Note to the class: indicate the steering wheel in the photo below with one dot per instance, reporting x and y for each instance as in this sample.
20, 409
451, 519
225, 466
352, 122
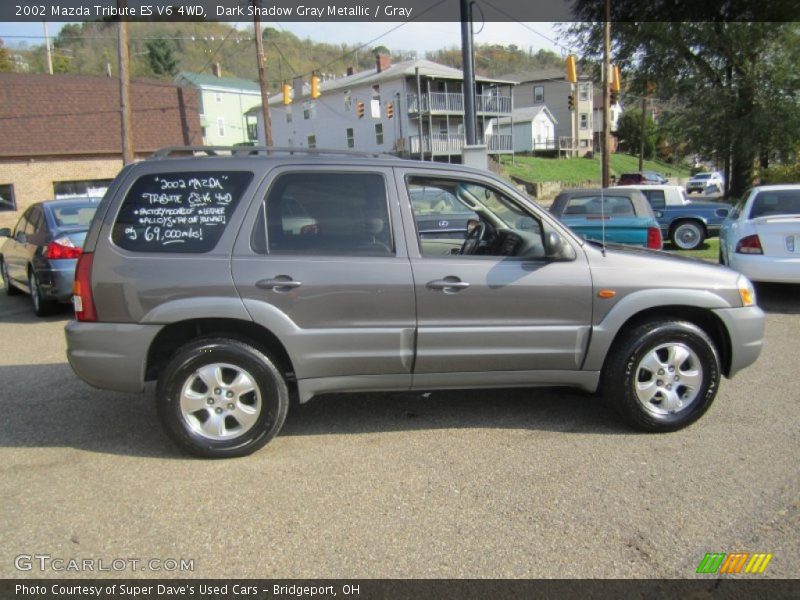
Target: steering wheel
474, 238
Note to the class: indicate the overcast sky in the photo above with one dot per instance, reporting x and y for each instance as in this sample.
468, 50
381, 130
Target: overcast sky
421, 37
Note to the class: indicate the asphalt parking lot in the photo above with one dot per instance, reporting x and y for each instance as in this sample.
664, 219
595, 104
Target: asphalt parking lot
498, 483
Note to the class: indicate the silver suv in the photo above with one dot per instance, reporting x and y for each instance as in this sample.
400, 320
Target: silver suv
237, 281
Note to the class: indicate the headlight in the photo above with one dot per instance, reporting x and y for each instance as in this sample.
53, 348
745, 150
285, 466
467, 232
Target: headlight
746, 291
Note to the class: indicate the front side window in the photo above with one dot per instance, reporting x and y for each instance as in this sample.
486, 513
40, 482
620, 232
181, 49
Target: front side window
490, 223
325, 214
178, 212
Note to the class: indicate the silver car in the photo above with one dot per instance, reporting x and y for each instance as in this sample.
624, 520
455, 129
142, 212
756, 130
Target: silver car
195, 276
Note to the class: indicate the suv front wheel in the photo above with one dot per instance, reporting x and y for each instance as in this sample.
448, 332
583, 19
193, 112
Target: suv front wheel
221, 398
662, 375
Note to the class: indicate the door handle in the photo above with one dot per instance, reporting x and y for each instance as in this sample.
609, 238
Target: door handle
281, 283
449, 285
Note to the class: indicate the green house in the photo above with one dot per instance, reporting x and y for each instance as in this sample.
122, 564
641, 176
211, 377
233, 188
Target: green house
223, 104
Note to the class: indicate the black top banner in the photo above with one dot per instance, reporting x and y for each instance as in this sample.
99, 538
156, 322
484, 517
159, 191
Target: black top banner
396, 10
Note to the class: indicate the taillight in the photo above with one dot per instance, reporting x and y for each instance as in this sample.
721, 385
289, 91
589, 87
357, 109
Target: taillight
82, 289
749, 245
62, 248
654, 238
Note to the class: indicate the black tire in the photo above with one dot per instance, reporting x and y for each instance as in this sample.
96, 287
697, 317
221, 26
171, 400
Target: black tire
7, 285
687, 235
41, 306
270, 398
624, 370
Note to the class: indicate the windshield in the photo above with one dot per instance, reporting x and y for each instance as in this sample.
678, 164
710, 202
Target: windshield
702, 176
782, 202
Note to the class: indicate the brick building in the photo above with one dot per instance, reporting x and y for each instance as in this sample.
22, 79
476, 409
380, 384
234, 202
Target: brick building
60, 135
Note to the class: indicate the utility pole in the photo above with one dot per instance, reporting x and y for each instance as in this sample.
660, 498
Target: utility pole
606, 90
469, 74
125, 87
644, 131
262, 75
48, 55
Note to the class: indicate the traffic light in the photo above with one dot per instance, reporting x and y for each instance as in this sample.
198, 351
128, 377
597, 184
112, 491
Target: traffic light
572, 70
571, 102
389, 110
314, 86
615, 84
287, 93
614, 98
360, 109
651, 88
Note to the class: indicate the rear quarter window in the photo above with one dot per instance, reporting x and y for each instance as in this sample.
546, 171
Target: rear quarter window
178, 212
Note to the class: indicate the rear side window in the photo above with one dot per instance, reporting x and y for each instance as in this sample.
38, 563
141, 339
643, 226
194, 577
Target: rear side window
656, 198
178, 212
595, 207
325, 214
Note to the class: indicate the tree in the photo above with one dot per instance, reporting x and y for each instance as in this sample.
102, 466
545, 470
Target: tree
6, 63
161, 57
629, 132
729, 87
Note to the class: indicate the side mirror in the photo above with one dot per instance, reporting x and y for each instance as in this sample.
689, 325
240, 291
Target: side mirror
5, 232
553, 245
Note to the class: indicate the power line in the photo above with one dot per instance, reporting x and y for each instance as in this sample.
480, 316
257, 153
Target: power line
531, 29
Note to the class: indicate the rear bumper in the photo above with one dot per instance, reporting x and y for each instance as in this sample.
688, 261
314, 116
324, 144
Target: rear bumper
746, 331
766, 268
110, 356
55, 280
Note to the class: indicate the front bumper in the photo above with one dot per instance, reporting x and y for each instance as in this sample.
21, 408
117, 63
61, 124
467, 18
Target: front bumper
745, 328
110, 356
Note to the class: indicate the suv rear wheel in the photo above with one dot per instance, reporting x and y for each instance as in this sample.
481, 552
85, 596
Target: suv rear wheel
221, 398
662, 375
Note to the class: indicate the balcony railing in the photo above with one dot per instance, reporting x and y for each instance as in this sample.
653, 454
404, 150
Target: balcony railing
439, 144
446, 102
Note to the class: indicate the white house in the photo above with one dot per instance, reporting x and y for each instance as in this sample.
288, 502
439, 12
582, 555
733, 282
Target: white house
533, 129
413, 108
614, 112
549, 87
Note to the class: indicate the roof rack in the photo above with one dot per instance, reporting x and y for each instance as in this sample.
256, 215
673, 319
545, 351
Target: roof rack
183, 151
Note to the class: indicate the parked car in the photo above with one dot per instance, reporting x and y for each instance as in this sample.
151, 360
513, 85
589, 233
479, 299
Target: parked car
638, 178
40, 255
231, 313
686, 223
705, 183
620, 215
761, 237
657, 177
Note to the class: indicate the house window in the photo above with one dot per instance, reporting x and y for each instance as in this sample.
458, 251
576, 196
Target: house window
583, 91
376, 92
379, 133
306, 113
584, 121
351, 141
538, 94
221, 126
584, 143
217, 97
288, 115
88, 187
348, 101
7, 202
312, 141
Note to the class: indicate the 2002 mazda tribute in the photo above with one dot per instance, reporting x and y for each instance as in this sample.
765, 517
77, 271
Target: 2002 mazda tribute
237, 280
